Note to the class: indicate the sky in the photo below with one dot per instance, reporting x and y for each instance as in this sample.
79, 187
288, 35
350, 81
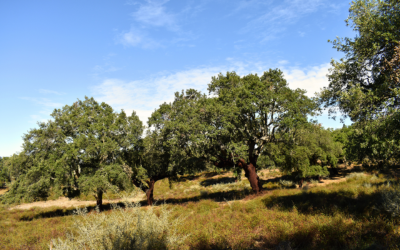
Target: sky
134, 55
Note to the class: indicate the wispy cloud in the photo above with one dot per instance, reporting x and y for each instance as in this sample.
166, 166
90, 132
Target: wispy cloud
154, 13
137, 38
145, 95
276, 19
47, 106
47, 91
44, 102
150, 17
248, 4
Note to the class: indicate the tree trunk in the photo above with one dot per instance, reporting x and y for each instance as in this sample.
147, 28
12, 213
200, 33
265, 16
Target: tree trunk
301, 182
250, 171
99, 199
149, 192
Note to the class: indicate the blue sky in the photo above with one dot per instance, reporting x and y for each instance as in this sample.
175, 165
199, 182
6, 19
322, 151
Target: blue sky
134, 55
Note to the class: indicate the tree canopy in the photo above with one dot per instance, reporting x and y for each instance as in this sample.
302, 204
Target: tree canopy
167, 148
232, 127
82, 149
364, 85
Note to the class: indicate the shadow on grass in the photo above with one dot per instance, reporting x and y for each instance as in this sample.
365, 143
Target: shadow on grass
328, 203
221, 180
217, 197
373, 235
51, 212
195, 177
39, 213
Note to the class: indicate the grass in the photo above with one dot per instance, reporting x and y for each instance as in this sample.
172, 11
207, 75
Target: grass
31, 229
222, 214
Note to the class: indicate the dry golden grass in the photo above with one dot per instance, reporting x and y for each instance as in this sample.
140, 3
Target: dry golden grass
220, 214
3, 190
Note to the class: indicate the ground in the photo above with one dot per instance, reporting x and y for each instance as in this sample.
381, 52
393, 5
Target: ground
338, 213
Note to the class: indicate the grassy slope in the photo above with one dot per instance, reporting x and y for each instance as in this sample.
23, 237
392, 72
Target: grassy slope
221, 214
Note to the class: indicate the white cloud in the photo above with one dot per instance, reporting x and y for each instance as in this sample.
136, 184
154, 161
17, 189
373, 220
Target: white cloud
311, 79
144, 96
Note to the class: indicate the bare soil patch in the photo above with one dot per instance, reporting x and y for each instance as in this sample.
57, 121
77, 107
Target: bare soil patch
3, 190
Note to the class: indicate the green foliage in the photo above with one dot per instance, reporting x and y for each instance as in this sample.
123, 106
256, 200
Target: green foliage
311, 150
365, 84
167, 148
85, 148
255, 111
4, 171
241, 117
341, 137
376, 141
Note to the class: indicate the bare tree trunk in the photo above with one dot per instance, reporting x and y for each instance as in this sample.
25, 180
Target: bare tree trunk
250, 171
149, 191
99, 199
301, 182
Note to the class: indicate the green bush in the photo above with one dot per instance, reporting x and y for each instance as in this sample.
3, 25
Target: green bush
123, 228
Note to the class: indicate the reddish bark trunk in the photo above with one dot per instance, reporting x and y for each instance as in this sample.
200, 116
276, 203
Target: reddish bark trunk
251, 174
150, 186
149, 192
301, 183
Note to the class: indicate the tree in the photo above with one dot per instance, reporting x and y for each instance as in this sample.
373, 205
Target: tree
83, 149
4, 171
309, 153
243, 115
364, 85
260, 111
166, 149
341, 136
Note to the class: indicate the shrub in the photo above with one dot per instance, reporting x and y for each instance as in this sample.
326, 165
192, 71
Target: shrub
123, 228
356, 176
391, 200
367, 185
286, 183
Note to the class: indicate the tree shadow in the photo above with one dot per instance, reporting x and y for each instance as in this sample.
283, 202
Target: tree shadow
221, 180
195, 177
51, 212
217, 197
328, 203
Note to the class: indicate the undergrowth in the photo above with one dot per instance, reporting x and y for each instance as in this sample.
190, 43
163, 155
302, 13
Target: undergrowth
347, 215
127, 227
